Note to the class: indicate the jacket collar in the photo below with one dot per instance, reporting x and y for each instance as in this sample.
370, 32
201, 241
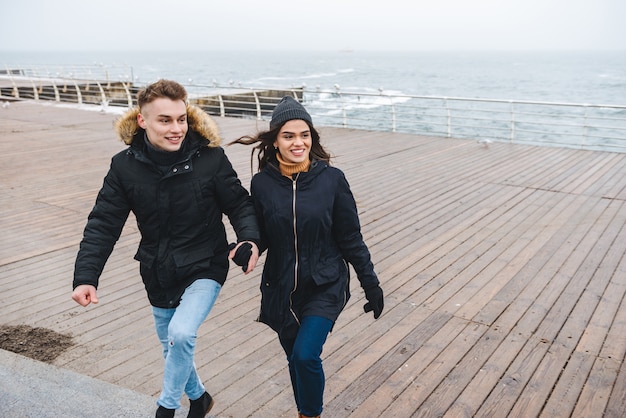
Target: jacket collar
316, 167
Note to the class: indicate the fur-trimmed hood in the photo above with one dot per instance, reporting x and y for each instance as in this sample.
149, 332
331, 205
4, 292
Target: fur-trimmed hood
199, 121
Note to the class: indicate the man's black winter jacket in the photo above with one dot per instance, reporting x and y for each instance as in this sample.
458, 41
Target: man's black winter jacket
179, 213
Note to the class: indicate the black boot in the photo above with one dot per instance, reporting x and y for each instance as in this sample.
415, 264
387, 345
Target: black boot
201, 406
164, 412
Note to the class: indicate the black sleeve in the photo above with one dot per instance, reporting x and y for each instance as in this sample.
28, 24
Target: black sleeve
261, 222
236, 203
347, 233
103, 229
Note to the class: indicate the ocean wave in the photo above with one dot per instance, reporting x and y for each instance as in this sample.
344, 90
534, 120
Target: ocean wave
333, 103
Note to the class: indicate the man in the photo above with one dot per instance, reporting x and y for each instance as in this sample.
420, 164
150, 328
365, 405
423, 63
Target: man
177, 180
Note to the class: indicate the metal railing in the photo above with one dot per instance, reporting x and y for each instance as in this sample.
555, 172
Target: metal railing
585, 126
82, 84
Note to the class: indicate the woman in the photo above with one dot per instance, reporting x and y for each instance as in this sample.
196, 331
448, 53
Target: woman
310, 227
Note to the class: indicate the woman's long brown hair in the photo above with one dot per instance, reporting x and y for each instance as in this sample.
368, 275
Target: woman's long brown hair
266, 153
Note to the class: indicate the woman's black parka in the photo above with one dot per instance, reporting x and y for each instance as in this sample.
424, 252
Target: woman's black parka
310, 227
178, 213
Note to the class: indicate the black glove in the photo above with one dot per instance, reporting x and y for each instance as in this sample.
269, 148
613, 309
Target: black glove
375, 301
242, 255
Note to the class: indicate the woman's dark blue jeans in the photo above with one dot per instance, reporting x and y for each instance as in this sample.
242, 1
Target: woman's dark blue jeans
305, 363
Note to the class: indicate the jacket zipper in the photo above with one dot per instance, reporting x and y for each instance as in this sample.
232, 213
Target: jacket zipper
295, 244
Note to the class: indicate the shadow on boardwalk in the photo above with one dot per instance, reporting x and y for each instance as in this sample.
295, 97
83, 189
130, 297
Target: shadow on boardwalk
503, 267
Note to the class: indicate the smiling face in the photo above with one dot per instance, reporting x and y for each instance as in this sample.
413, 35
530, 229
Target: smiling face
165, 122
294, 141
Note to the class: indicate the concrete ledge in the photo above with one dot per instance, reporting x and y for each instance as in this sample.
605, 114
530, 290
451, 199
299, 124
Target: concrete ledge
29, 388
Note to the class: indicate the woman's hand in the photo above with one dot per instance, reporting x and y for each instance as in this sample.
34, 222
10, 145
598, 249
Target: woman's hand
245, 254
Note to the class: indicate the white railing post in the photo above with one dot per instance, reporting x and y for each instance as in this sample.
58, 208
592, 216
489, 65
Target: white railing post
449, 117
57, 95
222, 110
258, 105
103, 98
512, 107
393, 110
584, 139
35, 91
344, 117
79, 95
15, 90
129, 97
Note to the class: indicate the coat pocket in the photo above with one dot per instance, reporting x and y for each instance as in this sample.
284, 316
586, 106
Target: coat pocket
192, 264
329, 271
273, 305
182, 266
187, 258
145, 257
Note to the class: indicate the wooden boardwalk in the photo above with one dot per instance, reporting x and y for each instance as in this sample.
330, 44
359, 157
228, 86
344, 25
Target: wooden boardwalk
504, 270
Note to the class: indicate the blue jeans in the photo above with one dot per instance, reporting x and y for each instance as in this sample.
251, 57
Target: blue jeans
177, 329
305, 364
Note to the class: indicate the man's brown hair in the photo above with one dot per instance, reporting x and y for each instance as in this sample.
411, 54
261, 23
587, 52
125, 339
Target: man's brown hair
162, 88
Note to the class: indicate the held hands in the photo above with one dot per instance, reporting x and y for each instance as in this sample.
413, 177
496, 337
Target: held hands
375, 301
85, 294
245, 254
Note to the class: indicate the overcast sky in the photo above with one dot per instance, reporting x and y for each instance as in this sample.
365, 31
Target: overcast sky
46, 25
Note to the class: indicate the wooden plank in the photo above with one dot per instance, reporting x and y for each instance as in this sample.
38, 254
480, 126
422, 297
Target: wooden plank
597, 389
555, 302
485, 368
411, 384
616, 406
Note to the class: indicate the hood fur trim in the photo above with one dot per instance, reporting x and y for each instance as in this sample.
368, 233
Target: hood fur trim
199, 121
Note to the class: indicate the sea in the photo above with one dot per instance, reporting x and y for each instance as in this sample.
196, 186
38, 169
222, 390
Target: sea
367, 79
582, 77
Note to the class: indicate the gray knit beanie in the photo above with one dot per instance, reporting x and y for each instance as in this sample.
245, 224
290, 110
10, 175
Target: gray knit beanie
288, 109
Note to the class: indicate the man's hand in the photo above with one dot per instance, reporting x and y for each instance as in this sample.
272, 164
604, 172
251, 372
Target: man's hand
85, 294
244, 254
